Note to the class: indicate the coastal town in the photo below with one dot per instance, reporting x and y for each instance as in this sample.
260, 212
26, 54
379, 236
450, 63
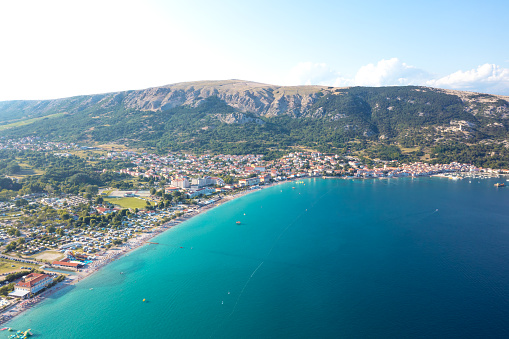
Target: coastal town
53, 237
228, 169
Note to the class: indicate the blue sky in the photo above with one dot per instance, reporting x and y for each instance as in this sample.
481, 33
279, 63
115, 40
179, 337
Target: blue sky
57, 48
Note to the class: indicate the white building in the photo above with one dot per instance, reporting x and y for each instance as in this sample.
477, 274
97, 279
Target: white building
200, 182
200, 191
207, 181
249, 182
181, 182
30, 284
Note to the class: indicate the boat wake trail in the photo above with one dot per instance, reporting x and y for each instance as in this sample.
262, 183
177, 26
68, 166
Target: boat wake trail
238, 298
267, 255
243, 288
294, 221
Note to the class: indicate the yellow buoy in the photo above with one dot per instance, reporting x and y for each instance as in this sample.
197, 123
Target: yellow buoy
143, 300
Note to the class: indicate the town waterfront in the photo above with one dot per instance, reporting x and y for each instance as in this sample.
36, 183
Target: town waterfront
421, 257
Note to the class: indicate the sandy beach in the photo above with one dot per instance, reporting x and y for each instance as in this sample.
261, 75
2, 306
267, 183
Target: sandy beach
115, 253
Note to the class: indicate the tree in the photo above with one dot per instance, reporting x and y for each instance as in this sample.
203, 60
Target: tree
228, 180
11, 247
4, 290
70, 223
92, 189
49, 188
21, 202
13, 168
51, 229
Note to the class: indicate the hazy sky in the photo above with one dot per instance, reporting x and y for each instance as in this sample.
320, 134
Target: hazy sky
52, 49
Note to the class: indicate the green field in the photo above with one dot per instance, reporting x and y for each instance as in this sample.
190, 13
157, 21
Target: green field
6, 266
130, 202
106, 192
26, 170
48, 255
29, 121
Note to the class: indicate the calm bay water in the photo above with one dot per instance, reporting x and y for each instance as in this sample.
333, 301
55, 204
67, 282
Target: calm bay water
328, 259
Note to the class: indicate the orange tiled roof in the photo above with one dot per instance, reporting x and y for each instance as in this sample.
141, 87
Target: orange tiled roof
31, 279
65, 262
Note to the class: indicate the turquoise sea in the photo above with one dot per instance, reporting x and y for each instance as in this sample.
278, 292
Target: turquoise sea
396, 258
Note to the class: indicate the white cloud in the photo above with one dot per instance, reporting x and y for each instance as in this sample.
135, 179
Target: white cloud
384, 73
308, 73
488, 78
389, 73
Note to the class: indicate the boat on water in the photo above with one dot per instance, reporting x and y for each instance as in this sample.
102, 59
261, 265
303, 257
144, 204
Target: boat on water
21, 335
499, 184
238, 222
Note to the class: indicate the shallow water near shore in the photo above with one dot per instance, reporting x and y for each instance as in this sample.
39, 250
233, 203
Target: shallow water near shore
331, 258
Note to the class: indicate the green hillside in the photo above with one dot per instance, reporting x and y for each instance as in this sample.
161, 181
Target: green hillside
404, 122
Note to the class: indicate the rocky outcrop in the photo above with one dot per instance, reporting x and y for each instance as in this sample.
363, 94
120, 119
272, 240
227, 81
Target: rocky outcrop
254, 98
238, 118
251, 97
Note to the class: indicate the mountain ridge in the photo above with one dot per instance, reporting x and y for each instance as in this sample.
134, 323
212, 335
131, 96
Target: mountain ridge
246, 96
237, 116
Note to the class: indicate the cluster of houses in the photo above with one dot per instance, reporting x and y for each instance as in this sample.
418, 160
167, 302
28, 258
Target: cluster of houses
178, 165
90, 241
414, 170
186, 171
36, 144
196, 176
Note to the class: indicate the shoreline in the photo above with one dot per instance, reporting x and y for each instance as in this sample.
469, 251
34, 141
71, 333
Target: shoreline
113, 254
110, 255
